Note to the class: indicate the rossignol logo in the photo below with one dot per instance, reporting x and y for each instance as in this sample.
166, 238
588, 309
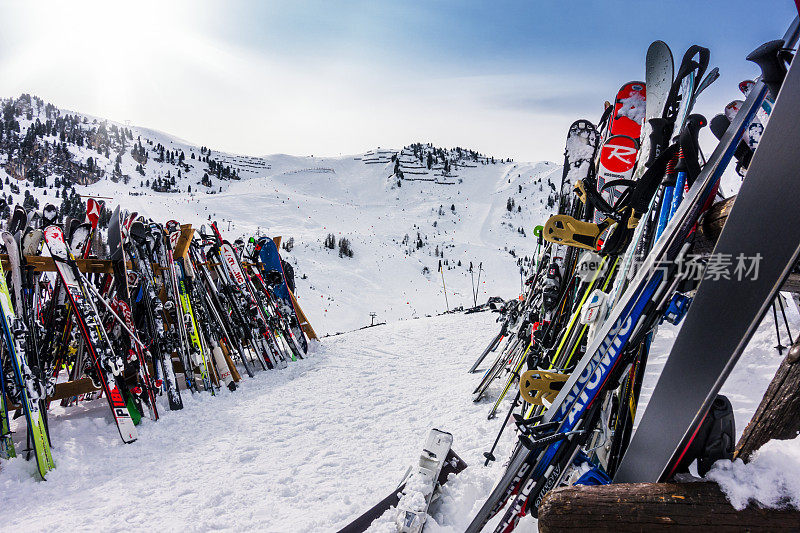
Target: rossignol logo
618, 154
126, 312
92, 212
51, 232
595, 372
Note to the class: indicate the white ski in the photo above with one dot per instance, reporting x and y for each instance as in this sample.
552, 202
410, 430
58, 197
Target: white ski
420, 488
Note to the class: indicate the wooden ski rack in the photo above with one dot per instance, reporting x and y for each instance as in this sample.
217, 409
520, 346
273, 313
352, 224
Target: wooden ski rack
182, 246
67, 389
46, 264
42, 263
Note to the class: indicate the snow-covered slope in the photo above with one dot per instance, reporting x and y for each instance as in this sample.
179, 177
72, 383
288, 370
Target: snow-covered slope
310, 447
400, 216
388, 274
302, 449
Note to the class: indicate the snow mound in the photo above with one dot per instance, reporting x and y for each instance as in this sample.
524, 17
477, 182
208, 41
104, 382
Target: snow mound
633, 107
771, 479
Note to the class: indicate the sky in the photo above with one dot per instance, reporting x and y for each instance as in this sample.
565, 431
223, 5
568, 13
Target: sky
340, 77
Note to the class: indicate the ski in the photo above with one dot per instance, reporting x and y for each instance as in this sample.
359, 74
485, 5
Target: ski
30, 392
419, 489
106, 365
682, 398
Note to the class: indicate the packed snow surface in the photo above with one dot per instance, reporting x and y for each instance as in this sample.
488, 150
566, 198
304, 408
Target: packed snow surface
311, 447
307, 448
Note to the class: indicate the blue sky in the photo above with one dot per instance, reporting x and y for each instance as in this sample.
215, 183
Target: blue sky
504, 77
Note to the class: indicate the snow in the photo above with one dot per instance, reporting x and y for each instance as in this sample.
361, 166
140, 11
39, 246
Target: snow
385, 276
771, 479
633, 107
307, 448
352, 196
310, 447
580, 150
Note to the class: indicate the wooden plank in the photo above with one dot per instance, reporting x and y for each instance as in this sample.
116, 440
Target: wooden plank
778, 414
68, 389
700, 507
45, 264
792, 283
182, 246
304, 323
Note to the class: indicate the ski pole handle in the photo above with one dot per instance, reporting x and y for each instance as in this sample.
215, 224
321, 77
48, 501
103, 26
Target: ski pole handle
773, 69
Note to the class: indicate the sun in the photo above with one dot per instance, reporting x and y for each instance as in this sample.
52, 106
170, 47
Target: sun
103, 49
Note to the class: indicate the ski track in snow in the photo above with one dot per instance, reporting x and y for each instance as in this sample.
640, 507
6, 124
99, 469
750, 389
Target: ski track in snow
307, 448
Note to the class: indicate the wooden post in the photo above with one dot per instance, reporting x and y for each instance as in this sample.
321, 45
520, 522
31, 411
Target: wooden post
700, 507
778, 414
711, 224
185, 238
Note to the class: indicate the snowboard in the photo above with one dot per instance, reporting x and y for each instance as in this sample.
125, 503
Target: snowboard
618, 153
273, 270
688, 382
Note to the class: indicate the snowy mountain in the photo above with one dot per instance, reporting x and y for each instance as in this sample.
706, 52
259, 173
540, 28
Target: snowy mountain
401, 210
366, 234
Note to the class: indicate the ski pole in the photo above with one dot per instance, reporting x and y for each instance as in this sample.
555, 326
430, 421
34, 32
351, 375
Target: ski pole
785, 321
490, 454
478, 286
116, 316
780, 346
474, 295
444, 289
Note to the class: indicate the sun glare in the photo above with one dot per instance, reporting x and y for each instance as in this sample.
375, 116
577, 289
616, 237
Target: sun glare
102, 49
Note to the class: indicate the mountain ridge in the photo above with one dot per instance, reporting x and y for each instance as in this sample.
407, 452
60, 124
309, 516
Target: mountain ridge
402, 211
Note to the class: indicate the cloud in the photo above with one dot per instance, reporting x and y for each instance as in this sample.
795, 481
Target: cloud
578, 103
